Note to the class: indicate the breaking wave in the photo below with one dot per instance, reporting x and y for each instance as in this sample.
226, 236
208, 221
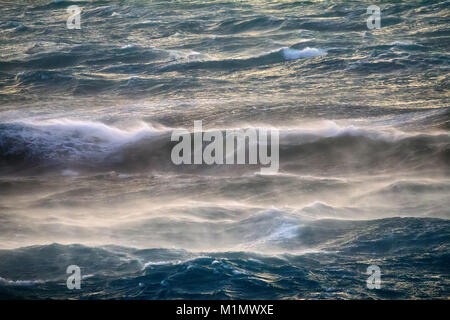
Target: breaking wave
143, 146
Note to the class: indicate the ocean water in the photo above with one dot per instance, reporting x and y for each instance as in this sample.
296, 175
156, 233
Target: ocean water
86, 177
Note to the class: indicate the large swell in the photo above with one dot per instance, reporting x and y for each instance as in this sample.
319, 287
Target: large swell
63, 143
86, 177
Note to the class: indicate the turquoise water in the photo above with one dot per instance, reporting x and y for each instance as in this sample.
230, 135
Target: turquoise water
86, 177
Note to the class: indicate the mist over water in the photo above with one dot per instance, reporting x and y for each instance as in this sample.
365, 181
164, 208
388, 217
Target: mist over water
86, 178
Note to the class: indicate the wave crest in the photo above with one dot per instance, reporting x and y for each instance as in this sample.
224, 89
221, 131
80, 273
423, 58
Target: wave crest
143, 146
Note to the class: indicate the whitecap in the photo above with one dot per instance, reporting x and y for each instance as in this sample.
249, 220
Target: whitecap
292, 54
20, 283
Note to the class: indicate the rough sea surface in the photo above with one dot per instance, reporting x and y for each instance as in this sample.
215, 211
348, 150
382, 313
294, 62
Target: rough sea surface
86, 177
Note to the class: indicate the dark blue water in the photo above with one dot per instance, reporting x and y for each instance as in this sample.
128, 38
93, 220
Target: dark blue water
86, 177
